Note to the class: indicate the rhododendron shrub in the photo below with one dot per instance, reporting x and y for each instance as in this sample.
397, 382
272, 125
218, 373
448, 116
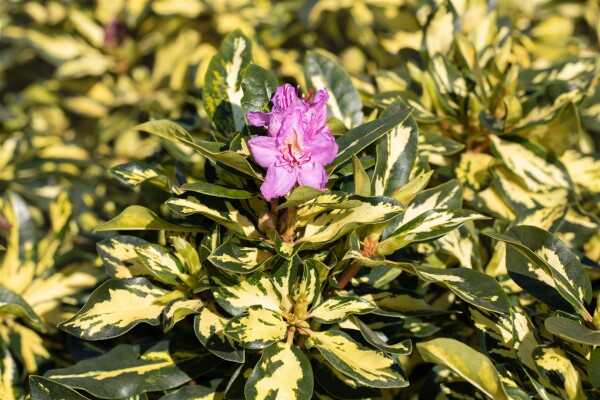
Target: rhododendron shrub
429, 230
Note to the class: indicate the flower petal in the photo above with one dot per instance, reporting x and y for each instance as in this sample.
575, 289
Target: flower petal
258, 118
322, 147
312, 174
264, 150
285, 95
279, 181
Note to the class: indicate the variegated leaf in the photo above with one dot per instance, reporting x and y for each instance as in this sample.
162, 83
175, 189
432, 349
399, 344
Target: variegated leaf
135, 173
211, 150
10, 388
466, 362
356, 139
256, 289
115, 307
257, 328
396, 155
178, 309
140, 218
309, 286
584, 169
553, 364
429, 225
222, 92
132, 369
338, 308
190, 256
284, 278
344, 101
472, 286
46, 389
119, 256
209, 327
367, 366
222, 212
571, 330
526, 340
531, 164
539, 262
283, 372
29, 348
447, 195
232, 257
162, 264
496, 334
336, 223
12, 303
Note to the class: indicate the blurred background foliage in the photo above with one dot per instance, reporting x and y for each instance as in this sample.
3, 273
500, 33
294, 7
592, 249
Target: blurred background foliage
77, 76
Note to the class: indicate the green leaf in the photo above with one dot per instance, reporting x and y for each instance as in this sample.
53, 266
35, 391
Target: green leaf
338, 308
222, 93
466, 362
300, 195
594, 368
119, 256
396, 154
257, 328
162, 264
568, 329
367, 366
198, 392
337, 384
534, 254
115, 307
283, 372
140, 218
45, 389
132, 369
258, 85
374, 339
256, 289
211, 150
12, 303
209, 328
10, 388
232, 257
221, 211
356, 139
344, 101
210, 189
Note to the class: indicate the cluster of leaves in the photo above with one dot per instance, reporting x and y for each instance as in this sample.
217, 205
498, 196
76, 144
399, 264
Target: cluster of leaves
461, 214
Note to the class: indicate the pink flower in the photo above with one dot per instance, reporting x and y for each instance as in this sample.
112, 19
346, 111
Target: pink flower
299, 143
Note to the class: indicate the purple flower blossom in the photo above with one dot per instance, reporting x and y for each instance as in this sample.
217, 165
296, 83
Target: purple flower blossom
299, 143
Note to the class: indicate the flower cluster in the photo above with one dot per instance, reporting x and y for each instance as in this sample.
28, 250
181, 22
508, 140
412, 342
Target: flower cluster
299, 143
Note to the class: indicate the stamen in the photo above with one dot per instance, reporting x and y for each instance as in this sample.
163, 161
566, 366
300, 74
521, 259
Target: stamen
310, 94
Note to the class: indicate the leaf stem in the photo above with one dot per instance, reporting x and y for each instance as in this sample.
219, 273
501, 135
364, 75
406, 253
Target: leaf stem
347, 275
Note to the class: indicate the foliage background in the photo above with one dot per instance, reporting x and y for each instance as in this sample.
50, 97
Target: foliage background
501, 90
